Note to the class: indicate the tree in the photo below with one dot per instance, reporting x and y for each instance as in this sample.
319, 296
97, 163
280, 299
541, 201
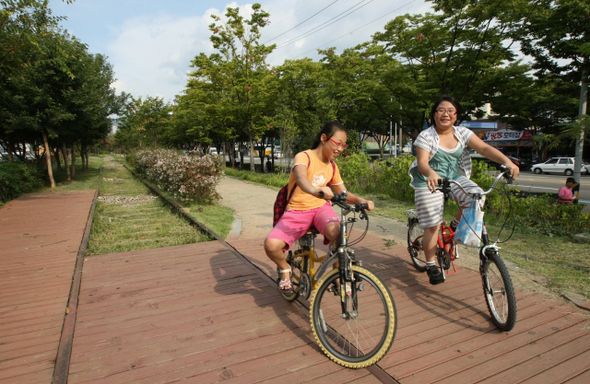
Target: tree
235, 73
448, 53
145, 123
557, 35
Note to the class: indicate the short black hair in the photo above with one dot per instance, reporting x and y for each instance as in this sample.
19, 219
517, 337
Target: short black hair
570, 180
451, 100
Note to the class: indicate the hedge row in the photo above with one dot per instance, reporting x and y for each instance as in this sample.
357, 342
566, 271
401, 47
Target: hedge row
19, 178
188, 176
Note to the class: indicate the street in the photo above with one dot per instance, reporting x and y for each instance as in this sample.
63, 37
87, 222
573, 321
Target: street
531, 182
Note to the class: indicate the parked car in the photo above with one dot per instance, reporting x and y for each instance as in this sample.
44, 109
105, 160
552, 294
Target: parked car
559, 165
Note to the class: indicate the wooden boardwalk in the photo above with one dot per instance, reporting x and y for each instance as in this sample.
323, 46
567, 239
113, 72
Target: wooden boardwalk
204, 313
40, 235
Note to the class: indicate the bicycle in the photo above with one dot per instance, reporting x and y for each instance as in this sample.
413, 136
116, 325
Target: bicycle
351, 335
496, 281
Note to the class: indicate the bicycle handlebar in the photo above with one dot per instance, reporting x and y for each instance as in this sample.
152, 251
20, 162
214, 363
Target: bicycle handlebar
340, 200
445, 184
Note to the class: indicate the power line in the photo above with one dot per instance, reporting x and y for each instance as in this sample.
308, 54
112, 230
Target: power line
354, 30
309, 18
330, 22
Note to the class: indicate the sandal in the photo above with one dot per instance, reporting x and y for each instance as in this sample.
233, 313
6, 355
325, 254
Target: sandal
285, 286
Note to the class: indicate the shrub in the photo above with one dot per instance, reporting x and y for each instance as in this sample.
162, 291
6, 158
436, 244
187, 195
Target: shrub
188, 176
393, 179
18, 178
356, 173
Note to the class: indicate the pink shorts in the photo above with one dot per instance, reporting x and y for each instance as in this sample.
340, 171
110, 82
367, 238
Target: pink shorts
293, 224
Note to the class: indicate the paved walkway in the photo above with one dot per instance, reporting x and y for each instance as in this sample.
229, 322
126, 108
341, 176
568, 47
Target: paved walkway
204, 313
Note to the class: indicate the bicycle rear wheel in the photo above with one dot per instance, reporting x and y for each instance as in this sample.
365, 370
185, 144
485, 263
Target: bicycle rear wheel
415, 248
364, 337
499, 292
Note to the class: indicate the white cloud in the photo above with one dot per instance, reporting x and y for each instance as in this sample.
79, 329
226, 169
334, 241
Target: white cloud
151, 54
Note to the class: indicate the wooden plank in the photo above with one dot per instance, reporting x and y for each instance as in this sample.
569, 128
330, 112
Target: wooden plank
37, 257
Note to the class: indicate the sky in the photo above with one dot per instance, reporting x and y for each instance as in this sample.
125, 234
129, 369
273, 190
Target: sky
151, 43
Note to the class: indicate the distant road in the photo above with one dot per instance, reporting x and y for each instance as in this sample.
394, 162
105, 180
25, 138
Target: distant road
531, 182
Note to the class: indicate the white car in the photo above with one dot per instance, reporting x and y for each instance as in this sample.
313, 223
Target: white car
559, 165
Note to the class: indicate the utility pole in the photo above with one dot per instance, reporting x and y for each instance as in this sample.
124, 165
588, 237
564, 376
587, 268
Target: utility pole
395, 144
580, 139
390, 143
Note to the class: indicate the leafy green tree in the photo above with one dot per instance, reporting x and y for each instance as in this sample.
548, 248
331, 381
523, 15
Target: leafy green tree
145, 123
294, 108
557, 35
458, 51
234, 74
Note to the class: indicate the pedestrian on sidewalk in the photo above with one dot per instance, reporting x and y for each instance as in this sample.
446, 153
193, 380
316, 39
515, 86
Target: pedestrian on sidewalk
313, 173
565, 194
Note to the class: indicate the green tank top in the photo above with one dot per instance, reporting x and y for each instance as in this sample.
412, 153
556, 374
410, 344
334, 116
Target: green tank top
445, 162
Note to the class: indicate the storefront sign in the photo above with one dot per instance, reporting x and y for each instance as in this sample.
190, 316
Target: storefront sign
506, 135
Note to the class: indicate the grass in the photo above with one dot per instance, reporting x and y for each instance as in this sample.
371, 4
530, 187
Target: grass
145, 223
216, 217
559, 263
130, 227
84, 180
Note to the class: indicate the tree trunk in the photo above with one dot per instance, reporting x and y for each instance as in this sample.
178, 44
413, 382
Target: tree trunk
57, 159
64, 150
73, 161
48, 159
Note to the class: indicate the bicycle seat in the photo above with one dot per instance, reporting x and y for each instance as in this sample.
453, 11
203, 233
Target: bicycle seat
312, 231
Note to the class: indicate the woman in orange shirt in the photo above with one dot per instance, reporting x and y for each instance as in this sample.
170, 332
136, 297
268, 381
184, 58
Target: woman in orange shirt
311, 173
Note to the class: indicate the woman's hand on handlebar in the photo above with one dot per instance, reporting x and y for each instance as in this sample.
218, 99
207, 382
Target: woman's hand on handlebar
370, 204
514, 170
325, 193
432, 181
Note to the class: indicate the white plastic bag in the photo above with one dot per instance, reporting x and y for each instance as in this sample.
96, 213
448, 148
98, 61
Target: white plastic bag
469, 229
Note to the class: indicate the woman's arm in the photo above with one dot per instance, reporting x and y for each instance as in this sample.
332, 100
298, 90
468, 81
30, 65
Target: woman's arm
300, 172
351, 197
423, 158
493, 154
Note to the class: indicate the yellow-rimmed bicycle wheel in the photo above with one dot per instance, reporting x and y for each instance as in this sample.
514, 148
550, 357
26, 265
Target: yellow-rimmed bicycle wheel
364, 335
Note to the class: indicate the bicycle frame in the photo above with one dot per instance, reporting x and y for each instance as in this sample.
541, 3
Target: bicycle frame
344, 254
486, 245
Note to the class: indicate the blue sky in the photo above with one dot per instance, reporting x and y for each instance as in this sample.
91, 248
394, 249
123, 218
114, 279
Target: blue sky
150, 43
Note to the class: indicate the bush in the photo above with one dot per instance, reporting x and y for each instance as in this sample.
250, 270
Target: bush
188, 176
393, 179
356, 173
19, 178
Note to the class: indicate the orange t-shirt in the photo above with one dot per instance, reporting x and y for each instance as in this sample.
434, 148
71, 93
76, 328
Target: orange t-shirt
318, 173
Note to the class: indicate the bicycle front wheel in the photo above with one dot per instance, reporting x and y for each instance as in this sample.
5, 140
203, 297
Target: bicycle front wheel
364, 336
415, 248
499, 292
